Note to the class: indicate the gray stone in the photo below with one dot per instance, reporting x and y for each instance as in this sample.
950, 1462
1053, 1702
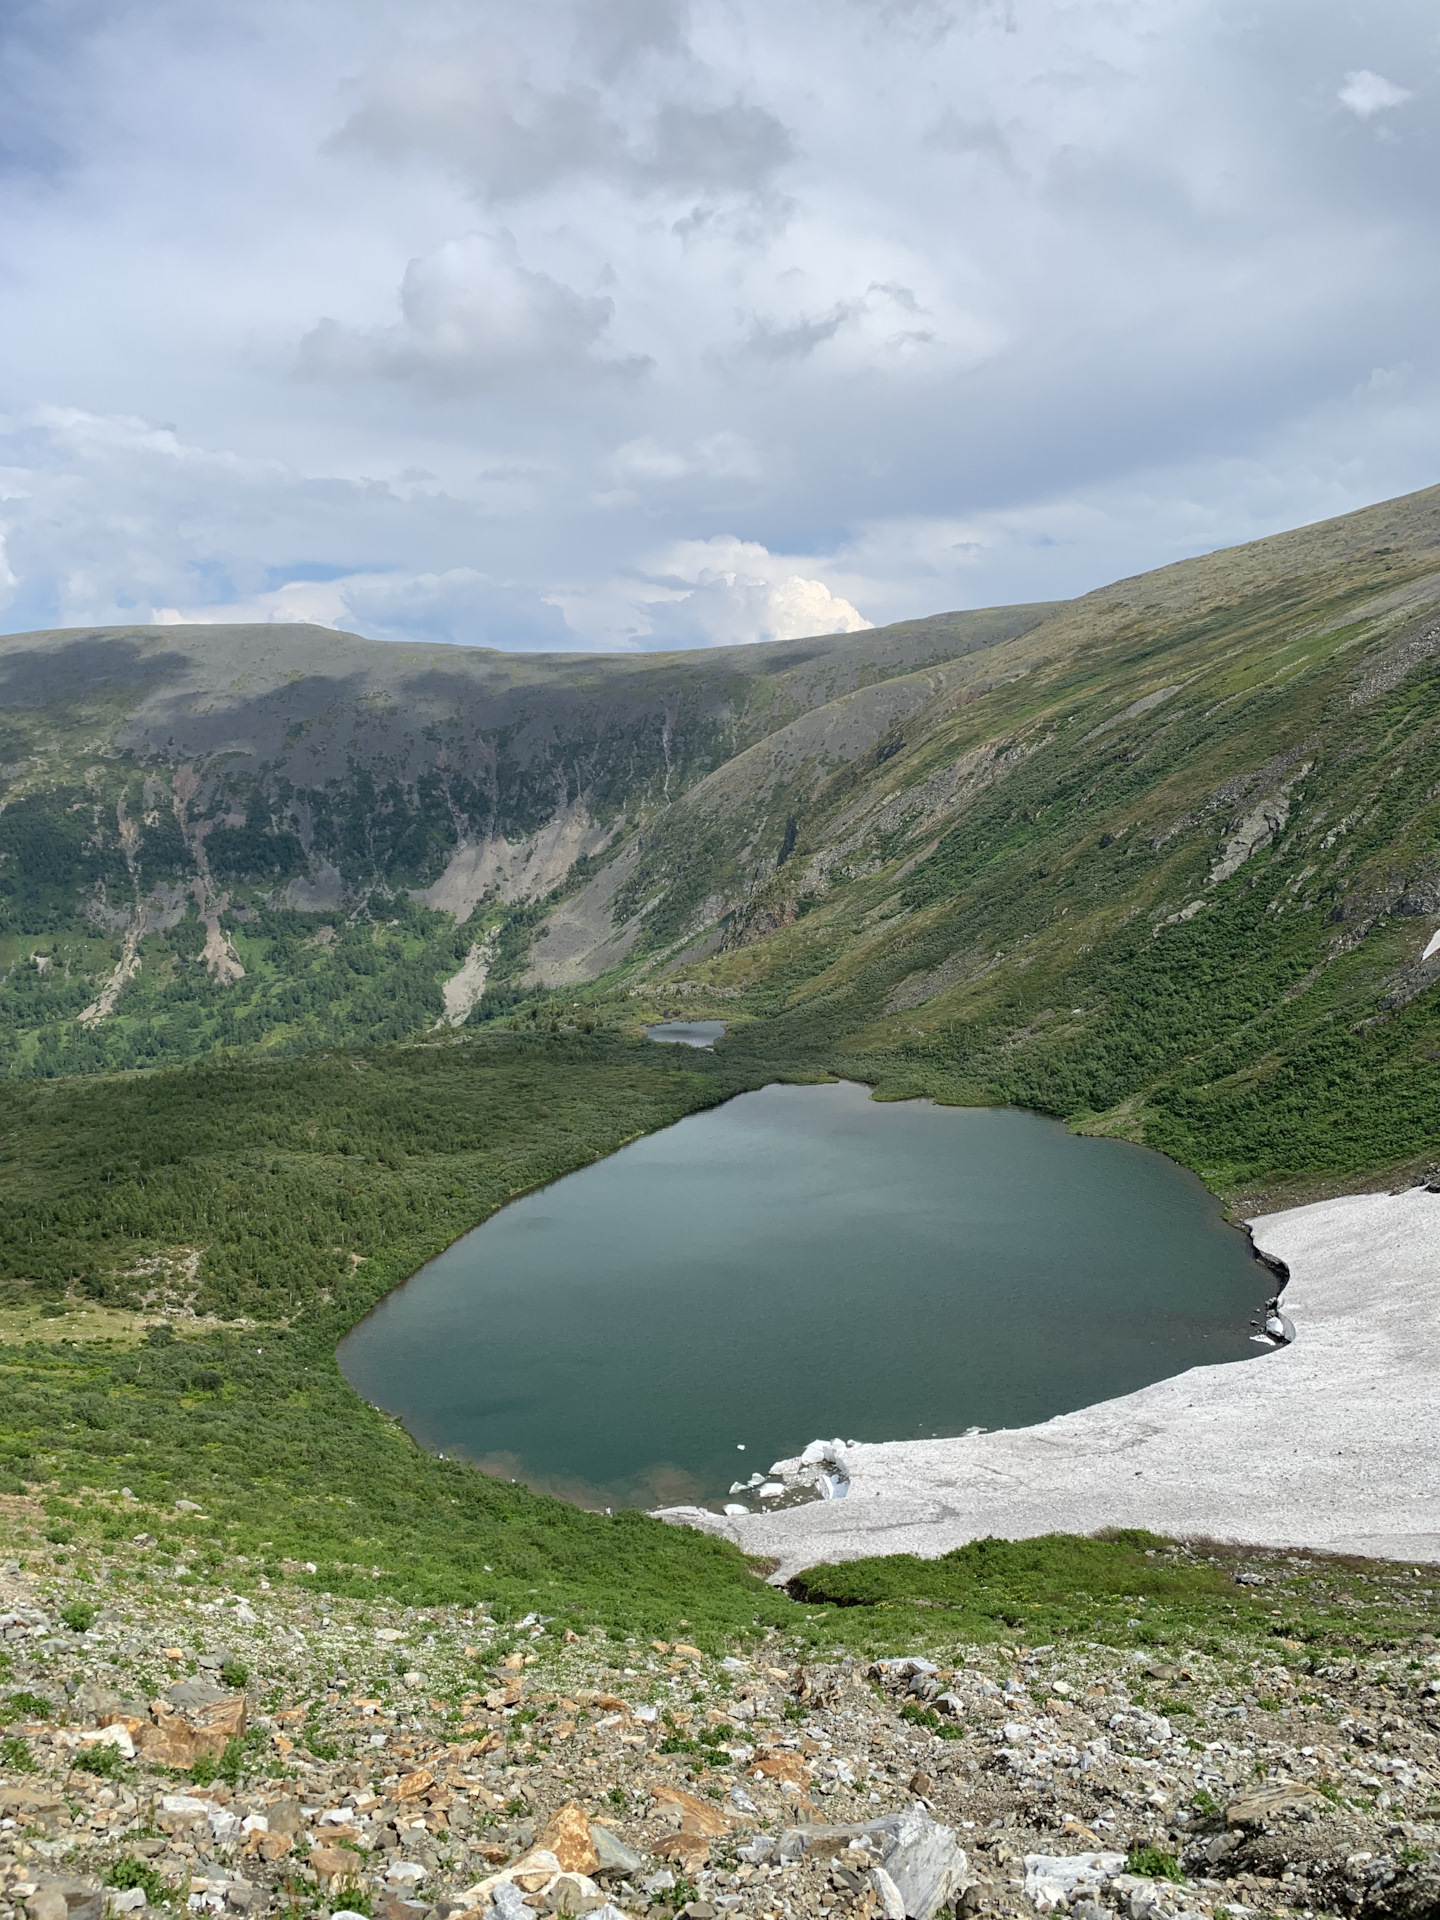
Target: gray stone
197, 1692
1265, 1803
284, 1817
509, 1902
613, 1856
67, 1900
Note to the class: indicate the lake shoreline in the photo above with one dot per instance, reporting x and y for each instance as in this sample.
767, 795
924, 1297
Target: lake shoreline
804, 1223
1332, 1445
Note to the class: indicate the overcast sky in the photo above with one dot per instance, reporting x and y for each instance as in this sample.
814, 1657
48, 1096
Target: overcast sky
633, 323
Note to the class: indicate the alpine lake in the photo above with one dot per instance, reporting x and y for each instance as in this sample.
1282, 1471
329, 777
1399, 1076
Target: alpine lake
804, 1262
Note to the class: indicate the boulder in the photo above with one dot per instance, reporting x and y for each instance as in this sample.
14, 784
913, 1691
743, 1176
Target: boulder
1054, 1879
696, 1816
1281, 1796
285, 1816
333, 1866
779, 1763
567, 1836
921, 1859
31, 1806
892, 1903
115, 1734
612, 1856
926, 1864
194, 1719
60, 1899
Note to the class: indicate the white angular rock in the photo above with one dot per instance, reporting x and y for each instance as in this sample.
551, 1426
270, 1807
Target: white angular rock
891, 1903
1051, 1878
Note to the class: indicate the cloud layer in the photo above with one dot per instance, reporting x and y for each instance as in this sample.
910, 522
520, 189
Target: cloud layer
636, 323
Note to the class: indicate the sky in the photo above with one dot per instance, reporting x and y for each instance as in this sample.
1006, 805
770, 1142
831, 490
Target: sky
634, 324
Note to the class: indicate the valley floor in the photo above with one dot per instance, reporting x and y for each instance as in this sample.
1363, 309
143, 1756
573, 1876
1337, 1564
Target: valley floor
1331, 1443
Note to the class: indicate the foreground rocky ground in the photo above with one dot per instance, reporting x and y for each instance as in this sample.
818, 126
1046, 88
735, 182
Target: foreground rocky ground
167, 1741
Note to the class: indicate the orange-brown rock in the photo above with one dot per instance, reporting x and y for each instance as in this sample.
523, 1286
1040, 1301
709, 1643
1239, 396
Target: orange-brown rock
567, 1836
690, 1851
697, 1816
179, 1736
334, 1865
414, 1784
173, 1742
132, 1719
775, 1763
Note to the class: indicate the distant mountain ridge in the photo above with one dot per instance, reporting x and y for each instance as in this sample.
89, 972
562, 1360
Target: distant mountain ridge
1147, 858
179, 784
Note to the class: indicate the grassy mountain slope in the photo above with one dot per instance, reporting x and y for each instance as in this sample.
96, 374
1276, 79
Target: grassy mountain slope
1169, 872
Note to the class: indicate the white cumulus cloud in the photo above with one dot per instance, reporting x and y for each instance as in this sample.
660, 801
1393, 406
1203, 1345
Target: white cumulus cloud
471, 317
728, 592
1365, 93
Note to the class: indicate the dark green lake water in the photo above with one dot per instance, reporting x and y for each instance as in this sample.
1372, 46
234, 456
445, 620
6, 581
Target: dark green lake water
805, 1262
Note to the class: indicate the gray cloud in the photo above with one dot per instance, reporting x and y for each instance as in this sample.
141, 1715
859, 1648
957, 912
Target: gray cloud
890, 305
471, 319
612, 35
474, 110
771, 340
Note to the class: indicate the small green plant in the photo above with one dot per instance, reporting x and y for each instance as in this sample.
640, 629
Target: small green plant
15, 1755
1206, 1805
1153, 1863
701, 1748
352, 1898
234, 1673
617, 1798
928, 1718
103, 1759
239, 1755
1175, 1709
27, 1706
1268, 1704
1411, 1856
206, 1770
79, 1616
516, 1807
680, 1895
128, 1873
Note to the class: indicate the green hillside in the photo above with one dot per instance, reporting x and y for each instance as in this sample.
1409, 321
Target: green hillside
1162, 860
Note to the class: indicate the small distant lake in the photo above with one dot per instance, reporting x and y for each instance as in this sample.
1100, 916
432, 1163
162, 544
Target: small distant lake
804, 1262
687, 1033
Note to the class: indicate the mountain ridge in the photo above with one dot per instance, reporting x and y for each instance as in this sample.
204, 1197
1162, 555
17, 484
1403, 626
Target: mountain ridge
984, 855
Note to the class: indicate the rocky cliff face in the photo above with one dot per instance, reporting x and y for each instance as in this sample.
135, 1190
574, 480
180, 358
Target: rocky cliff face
185, 808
